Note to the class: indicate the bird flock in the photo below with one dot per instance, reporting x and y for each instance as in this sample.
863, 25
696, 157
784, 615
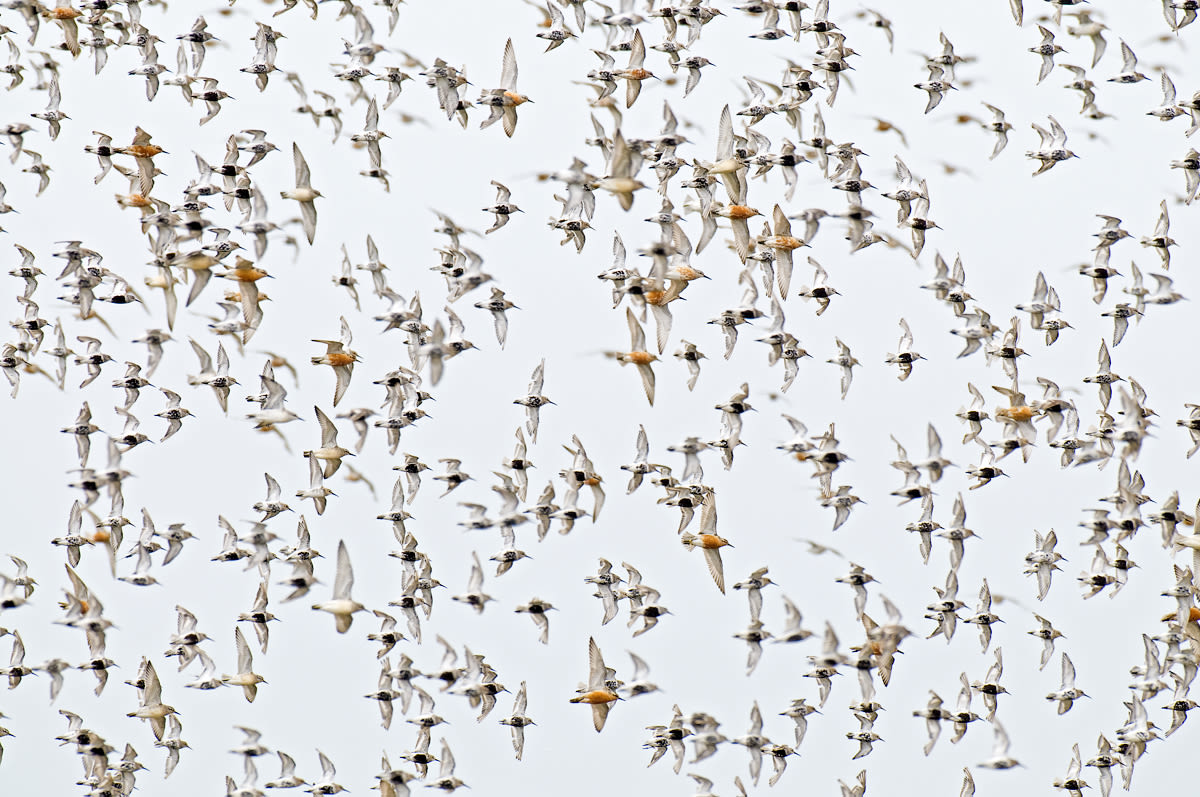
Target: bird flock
407, 393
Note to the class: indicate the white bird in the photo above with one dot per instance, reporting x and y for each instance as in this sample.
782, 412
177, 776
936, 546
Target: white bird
341, 605
304, 193
518, 721
150, 705
326, 784
245, 676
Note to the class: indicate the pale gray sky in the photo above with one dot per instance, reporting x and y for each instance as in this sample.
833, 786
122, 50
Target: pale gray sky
1006, 225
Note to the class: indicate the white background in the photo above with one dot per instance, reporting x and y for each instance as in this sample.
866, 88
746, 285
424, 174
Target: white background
1006, 225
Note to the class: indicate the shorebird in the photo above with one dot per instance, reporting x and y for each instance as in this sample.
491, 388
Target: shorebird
1047, 49
936, 87
304, 193
709, 541
503, 101
341, 358
638, 354
1052, 148
341, 605
150, 702
599, 692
